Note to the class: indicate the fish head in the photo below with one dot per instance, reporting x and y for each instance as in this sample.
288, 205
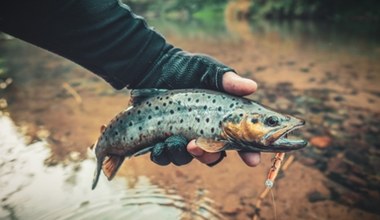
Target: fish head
265, 130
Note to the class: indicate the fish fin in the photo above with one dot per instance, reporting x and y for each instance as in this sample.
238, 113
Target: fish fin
96, 174
143, 151
103, 128
112, 165
139, 95
210, 145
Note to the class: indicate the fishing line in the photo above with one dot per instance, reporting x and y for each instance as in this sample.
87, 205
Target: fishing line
274, 205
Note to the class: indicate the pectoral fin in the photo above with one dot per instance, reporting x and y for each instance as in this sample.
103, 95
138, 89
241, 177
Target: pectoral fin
112, 165
210, 145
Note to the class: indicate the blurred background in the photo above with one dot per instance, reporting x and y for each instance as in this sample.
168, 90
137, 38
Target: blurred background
318, 60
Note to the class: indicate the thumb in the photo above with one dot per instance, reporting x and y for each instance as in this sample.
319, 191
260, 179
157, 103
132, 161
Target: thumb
237, 85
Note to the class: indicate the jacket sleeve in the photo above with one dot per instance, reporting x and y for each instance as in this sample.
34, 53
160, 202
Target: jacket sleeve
103, 36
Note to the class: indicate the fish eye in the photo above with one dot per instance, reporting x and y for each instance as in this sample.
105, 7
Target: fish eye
272, 121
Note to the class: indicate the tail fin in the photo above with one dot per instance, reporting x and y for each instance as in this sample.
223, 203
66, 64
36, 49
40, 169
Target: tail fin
97, 173
109, 167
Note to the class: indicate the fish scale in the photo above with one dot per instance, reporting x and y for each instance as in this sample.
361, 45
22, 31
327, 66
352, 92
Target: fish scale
216, 120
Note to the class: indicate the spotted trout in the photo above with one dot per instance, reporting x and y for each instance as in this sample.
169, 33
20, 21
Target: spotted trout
216, 120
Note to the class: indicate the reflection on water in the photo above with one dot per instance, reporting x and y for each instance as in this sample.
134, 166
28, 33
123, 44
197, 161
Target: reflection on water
30, 190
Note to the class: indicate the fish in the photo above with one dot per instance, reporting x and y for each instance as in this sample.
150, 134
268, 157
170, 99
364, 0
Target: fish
216, 120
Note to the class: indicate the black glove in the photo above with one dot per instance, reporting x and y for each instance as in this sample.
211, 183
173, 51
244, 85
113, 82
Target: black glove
177, 69
173, 150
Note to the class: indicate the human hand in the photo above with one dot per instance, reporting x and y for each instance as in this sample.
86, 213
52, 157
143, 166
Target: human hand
173, 149
177, 69
235, 85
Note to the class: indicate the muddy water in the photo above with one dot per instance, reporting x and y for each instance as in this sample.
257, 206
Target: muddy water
327, 74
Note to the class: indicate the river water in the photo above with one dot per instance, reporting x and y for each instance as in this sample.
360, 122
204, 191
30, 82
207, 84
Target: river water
328, 74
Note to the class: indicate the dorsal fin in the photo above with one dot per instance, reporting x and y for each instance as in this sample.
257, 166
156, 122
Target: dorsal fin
139, 95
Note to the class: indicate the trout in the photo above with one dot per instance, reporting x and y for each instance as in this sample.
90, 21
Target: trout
216, 120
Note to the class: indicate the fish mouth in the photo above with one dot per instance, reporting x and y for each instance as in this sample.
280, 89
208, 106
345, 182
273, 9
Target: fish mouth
286, 142
282, 140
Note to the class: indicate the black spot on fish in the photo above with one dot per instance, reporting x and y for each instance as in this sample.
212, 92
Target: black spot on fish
158, 123
131, 138
171, 111
164, 104
205, 107
116, 133
178, 109
209, 97
140, 128
167, 97
123, 138
170, 102
138, 111
212, 130
190, 109
241, 114
223, 97
259, 109
180, 121
160, 98
219, 108
232, 105
149, 117
189, 99
171, 128
207, 120
189, 128
254, 120
198, 119
129, 113
197, 100
130, 123
121, 122
150, 104
201, 131
213, 101
156, 107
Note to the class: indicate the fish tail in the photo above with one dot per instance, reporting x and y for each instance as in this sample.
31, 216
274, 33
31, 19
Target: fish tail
109, 167
97, 174
98, 168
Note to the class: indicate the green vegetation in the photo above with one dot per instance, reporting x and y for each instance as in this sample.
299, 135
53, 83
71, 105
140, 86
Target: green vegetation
317, 9
207, 10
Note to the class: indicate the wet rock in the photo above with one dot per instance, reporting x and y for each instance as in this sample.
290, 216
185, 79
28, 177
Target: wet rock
3, 103
43, 134
260, 68
74, 156
290, 63
339, 98
320, 141
316, 196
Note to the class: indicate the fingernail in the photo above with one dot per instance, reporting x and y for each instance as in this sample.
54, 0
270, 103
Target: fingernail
195, 150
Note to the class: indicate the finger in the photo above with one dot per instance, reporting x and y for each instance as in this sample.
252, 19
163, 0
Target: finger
237, 85
252, 159
201, 155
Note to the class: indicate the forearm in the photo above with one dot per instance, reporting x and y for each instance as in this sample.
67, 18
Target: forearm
100, 35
